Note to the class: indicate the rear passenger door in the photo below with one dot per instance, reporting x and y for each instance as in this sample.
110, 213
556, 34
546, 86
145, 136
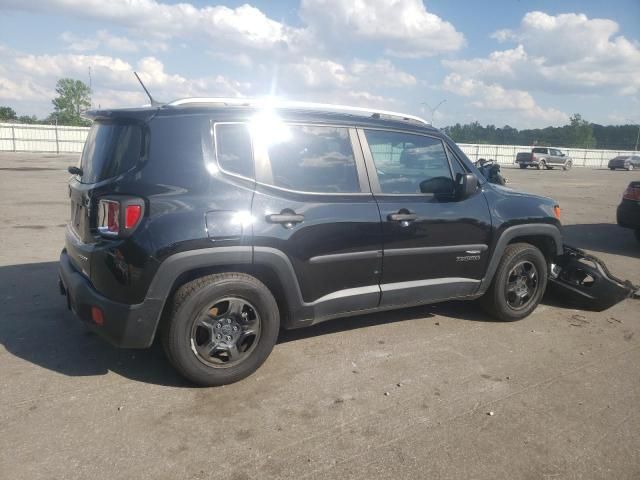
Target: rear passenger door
434, 246
313, 203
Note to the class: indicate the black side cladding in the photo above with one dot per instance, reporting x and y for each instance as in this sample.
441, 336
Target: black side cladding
584, 281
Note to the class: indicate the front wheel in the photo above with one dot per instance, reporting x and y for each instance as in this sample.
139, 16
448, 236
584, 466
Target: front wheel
221, 328
567, 166
638, 234
629, 168
518, 284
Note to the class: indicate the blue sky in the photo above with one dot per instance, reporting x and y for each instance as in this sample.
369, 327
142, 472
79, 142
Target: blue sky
522, 63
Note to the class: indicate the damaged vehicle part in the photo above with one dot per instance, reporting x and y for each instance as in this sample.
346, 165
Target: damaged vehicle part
584, 281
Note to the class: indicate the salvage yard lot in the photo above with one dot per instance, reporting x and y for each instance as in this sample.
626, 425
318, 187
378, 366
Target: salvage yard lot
403, 394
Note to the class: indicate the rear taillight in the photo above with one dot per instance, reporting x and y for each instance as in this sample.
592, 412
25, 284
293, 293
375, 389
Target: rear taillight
632, 193
119, 217
109, 218
132, 214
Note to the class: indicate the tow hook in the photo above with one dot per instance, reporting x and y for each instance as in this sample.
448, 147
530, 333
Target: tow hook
584, 281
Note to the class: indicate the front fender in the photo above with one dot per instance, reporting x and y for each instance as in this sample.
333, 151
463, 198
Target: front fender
527, 230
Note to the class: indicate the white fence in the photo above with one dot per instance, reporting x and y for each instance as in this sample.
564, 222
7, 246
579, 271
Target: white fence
41, 138
59, 139
506, 154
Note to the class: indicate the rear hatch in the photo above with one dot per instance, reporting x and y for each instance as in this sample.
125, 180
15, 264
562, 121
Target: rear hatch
112, 148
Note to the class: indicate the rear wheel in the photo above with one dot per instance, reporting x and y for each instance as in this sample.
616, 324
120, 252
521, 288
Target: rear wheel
221, 328
523, 166
518, 284
612, 168
542, 164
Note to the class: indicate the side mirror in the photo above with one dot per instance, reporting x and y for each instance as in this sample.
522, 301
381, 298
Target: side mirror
438, 186
466, 185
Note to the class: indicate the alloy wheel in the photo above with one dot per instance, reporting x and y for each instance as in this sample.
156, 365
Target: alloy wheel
522, 285
225, 333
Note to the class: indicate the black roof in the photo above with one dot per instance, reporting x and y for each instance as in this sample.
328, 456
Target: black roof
244, 113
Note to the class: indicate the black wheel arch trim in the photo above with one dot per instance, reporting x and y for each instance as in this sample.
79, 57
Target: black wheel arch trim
515, 231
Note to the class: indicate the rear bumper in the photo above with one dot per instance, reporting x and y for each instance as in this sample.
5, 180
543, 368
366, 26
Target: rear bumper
126, 326
628, 214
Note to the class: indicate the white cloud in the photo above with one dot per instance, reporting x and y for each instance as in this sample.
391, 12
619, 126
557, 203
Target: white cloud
404, 27
567, 53
495, 97
244, 26
30, 80
102, 39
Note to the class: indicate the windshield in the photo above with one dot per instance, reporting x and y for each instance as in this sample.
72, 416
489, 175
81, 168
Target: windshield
110, 149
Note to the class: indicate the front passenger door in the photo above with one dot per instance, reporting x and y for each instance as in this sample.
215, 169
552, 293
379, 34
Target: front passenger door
434, 246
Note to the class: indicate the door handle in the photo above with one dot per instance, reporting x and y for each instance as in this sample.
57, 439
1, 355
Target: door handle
402, 217
288, 220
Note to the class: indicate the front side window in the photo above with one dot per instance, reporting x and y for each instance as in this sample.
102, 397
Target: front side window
233, 148
408, 164
315, 159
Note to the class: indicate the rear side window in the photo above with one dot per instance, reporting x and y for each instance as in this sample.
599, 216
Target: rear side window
539, 150
314, 159
233, 149
403, 161
110, 149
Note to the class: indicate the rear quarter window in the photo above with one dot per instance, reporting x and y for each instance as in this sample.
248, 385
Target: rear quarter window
180, 147
110, 150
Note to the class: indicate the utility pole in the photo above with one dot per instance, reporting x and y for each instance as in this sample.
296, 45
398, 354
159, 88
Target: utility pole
433, 110
90, 91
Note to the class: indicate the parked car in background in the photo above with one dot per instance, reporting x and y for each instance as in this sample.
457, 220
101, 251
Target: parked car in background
544, 157
628, 214
628, 162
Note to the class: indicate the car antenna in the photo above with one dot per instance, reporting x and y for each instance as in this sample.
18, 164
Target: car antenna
154, 103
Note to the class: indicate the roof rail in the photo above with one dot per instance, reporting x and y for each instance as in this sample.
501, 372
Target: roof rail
289, 104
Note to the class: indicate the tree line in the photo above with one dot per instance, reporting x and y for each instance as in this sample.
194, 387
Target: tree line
578, 133
73, 98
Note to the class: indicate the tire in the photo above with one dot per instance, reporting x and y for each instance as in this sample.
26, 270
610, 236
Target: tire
203, 298
567, 166
523, 166
496, 301
542, 164
612, 168
638, 235
629, 168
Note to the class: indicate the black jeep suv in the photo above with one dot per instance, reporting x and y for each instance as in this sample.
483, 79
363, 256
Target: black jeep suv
212, 223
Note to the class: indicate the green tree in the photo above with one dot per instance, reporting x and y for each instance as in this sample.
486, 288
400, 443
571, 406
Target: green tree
7, 113
27, 119
74, 97
581, 132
